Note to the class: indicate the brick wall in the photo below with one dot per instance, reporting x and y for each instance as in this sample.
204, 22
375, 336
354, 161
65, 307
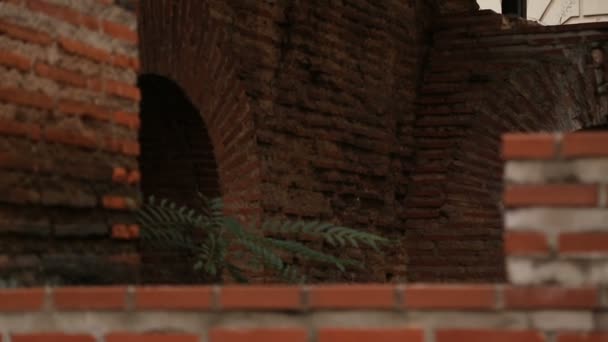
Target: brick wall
330, 313
68, 141
557, 290
556, 208
487, 75
323, 97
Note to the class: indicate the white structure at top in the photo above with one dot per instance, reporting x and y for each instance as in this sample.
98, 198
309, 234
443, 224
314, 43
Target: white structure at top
557, 12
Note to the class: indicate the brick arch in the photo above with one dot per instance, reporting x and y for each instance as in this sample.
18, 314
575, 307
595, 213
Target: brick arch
179, 41
454, 227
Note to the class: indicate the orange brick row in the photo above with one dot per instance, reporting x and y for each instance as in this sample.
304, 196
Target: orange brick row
554, 195
29, 35
530, 243
76, 18
68, 137
323, 297
72, 78
322, 335
546, 146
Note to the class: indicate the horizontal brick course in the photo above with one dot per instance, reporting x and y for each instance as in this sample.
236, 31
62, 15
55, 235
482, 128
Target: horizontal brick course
174, 298
352, 296
525, 243
583, 242
55, 337
259, 298
529, 146
21, 299
25, 34
551, 298
585, 145
90, 298
14, 60
551, 195
450, 297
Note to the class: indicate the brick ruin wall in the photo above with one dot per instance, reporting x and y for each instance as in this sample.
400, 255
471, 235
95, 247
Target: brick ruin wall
557, 257
68, 141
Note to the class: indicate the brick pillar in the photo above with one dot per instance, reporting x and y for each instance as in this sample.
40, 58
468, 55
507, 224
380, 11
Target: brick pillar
556, 223
68, 141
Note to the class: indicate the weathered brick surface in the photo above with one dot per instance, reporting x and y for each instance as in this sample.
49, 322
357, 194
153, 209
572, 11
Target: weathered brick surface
60, 143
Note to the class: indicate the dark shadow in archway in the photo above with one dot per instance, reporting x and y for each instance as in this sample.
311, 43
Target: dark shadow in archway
176, 163
176, 153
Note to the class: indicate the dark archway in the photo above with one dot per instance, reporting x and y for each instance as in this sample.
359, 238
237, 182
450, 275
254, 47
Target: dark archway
176, 162
177, 158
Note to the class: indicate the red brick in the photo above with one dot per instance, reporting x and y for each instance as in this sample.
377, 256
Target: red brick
551, 195
61, 75
591, 144
52, 337
26, 98
257, 297
21, 299
353, 297
119, 175
84, 50
258, 335
583, 337
173, 298
126, 62
550, 298
89, 22
114, 202
151, 337
488, 335
370, 335
130, 120
130, 148
528, 146
120, 31
11, 127
525, 243
15, 61
125, 232
90, 298
84, 109
462, 297
68, 137
25, 34
583, 243
123, 90
134, 177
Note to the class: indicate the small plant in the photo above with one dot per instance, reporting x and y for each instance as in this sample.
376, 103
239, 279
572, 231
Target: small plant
222, 239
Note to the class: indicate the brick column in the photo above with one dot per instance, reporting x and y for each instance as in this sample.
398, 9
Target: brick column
556, 223
68, 141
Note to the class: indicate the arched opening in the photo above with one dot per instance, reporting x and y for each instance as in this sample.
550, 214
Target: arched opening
177, 158
176, 163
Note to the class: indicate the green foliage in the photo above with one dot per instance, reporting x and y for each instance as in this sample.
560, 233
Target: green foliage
224, 240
